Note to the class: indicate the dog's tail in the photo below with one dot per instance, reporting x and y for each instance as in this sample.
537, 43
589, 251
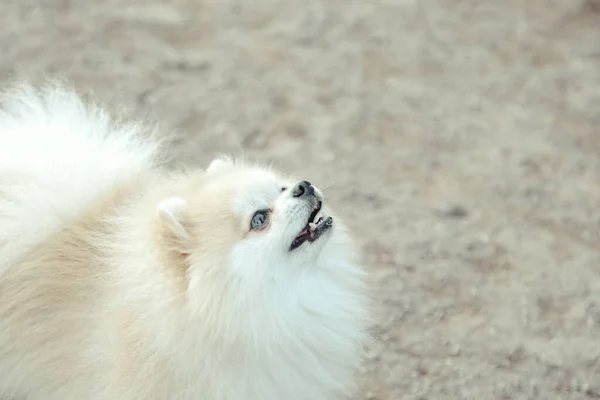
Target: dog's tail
57, 154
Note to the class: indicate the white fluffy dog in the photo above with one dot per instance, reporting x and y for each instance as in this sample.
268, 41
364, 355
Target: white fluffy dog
123, 280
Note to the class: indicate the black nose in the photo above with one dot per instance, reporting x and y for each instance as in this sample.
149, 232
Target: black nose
302, 189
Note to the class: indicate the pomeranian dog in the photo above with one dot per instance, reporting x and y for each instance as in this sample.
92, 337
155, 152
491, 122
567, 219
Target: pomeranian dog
123, 279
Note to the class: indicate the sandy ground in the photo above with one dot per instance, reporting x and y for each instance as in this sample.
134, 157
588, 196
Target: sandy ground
460, 139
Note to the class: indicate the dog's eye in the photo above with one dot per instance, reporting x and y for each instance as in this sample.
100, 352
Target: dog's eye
283, 188
259, 220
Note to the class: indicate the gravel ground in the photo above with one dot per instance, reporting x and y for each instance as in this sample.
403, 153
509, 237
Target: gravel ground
460, 138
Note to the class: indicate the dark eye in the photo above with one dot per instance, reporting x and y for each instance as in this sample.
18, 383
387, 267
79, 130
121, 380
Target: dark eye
259, 220
283, 188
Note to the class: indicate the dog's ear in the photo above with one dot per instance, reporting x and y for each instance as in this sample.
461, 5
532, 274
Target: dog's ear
220, 164
171, 212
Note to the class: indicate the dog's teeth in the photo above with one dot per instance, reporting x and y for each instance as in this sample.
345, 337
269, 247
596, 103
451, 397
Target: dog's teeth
312, 226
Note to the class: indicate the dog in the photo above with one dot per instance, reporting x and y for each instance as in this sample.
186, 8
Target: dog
122, 278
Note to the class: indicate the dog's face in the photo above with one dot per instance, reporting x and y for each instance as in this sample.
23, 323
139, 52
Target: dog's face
251, 218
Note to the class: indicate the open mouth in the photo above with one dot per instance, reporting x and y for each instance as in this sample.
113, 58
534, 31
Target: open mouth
316, 225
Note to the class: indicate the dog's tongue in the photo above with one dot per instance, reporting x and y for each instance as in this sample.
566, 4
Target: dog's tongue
310, 228
303, 232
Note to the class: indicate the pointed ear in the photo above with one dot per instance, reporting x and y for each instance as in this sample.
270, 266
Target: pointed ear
170, 212
220, 164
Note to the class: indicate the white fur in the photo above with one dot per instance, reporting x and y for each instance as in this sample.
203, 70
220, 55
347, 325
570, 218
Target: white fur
170, 211
110, 319
219, 165
57, 155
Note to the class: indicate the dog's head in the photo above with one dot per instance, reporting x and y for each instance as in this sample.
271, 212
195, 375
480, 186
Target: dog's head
249, 220
263, 265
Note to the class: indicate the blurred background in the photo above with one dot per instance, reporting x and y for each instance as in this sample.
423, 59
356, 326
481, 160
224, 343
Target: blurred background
460, 139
